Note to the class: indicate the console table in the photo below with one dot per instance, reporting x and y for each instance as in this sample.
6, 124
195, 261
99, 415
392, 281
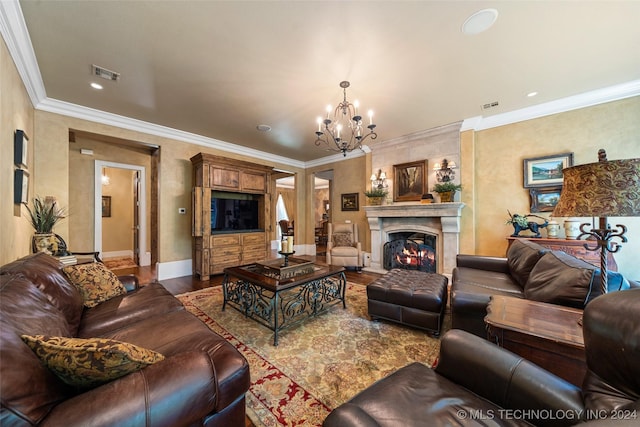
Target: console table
548, 335
572, 247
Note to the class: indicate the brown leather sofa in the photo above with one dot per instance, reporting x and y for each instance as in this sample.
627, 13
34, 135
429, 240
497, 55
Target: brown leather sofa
477, 383
201, 382
528, 271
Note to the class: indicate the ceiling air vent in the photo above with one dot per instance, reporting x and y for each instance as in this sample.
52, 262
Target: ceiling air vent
490, 105
104, 73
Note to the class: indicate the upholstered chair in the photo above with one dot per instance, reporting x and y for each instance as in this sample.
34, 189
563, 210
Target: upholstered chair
343, 245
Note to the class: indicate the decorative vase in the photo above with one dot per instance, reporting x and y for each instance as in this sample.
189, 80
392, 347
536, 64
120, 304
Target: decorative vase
571, 229
375, 201
447, 196
45, 242
553, 228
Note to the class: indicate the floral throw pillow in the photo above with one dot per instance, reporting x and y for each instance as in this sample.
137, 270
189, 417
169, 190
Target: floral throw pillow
342, 239
95, 282
86, 363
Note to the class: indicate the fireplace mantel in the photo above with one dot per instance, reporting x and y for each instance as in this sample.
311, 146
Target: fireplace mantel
442, 219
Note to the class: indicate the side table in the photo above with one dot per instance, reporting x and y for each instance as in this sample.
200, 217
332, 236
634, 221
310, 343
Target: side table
548, 335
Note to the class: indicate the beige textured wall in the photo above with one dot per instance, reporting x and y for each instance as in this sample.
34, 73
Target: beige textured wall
349, 176
82, 189
499, 155
16, 112
174, 240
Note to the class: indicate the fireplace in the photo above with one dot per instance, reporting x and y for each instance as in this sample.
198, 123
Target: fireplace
412, 251
439, 220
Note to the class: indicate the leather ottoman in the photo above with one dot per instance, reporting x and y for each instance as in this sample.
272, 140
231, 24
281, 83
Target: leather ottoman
410, 297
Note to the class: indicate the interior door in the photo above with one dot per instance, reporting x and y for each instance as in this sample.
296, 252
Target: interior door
136, 216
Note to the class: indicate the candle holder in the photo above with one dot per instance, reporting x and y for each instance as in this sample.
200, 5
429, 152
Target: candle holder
286, 256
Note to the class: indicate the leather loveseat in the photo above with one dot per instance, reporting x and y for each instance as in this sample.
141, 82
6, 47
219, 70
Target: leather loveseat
477, 383
529, 271
201, 381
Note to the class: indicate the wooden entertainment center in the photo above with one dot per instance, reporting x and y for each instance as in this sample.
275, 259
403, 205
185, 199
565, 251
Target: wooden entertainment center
214, 250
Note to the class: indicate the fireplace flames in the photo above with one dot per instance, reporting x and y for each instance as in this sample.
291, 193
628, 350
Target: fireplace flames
404, 253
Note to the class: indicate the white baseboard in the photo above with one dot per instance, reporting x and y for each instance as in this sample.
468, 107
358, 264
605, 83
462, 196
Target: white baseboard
169, 270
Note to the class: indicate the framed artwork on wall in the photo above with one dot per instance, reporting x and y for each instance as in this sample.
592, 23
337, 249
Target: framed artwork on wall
546, 171
106, 206
544, 199
20, 186
350, 202
409, 181
20, 149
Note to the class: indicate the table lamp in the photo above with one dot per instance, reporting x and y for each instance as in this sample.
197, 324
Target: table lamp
602, 189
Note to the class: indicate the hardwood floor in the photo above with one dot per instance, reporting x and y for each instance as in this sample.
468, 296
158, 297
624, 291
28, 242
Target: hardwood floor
184, 284
181, 285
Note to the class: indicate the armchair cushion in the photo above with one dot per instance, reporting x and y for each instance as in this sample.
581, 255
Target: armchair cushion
87, 363
95, 282
342, 239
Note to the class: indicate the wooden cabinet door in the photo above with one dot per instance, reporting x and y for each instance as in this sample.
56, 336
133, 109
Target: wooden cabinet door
253, 182
228, 179
200, 211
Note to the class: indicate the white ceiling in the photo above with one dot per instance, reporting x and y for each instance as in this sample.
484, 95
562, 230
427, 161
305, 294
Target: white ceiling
220, 68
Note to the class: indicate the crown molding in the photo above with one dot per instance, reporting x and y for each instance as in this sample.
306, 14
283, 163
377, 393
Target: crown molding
98, 116
16, 36
583, 100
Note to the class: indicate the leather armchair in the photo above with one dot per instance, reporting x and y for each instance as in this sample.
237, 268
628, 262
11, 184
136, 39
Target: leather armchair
343, 245
478, 383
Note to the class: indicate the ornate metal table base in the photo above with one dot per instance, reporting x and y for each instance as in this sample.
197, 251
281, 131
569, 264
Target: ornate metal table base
283, 308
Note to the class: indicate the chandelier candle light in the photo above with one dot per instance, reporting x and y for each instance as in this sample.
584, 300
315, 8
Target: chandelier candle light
602, 189
344, 132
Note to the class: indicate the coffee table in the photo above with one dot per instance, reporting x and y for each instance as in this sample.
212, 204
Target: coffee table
280, 301
548, 335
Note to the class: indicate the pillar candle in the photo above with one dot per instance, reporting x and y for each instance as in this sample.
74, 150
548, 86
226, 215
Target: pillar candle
289, 244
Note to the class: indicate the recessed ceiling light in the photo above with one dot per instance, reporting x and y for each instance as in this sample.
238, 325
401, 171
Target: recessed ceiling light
532, 94
96, 86
263, 128
480, 21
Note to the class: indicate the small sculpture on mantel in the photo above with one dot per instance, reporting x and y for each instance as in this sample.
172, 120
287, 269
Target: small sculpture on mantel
522, 223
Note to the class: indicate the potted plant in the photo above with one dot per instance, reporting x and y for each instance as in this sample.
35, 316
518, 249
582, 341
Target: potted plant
44, 215
446, 190
375, 196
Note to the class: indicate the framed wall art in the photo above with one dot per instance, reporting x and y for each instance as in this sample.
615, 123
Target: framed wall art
546, 171
20, 186
544, 199
106, 206
350, 202
20, 149
409, 181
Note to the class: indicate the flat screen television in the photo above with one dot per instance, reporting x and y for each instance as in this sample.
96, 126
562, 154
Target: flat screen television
234, 212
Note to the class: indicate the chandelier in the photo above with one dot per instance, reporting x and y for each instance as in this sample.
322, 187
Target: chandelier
344, 131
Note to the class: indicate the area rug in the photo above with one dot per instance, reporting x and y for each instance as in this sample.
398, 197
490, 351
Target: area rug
318, 364
116, 263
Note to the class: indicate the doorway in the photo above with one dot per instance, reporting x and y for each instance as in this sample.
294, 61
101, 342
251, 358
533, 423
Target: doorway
322, 208
121, 208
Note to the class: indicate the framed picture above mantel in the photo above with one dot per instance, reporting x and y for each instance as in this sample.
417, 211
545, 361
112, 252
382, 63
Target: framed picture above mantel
409, 181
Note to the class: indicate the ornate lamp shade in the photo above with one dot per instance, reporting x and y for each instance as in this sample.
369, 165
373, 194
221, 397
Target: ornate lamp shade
601, 189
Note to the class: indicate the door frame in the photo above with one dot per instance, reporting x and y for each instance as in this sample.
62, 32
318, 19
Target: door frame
142, 207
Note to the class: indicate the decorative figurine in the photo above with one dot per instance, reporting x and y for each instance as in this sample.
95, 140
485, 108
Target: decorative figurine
522, 223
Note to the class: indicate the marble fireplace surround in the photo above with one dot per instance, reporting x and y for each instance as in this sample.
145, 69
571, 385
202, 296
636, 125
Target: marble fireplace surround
439, 219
